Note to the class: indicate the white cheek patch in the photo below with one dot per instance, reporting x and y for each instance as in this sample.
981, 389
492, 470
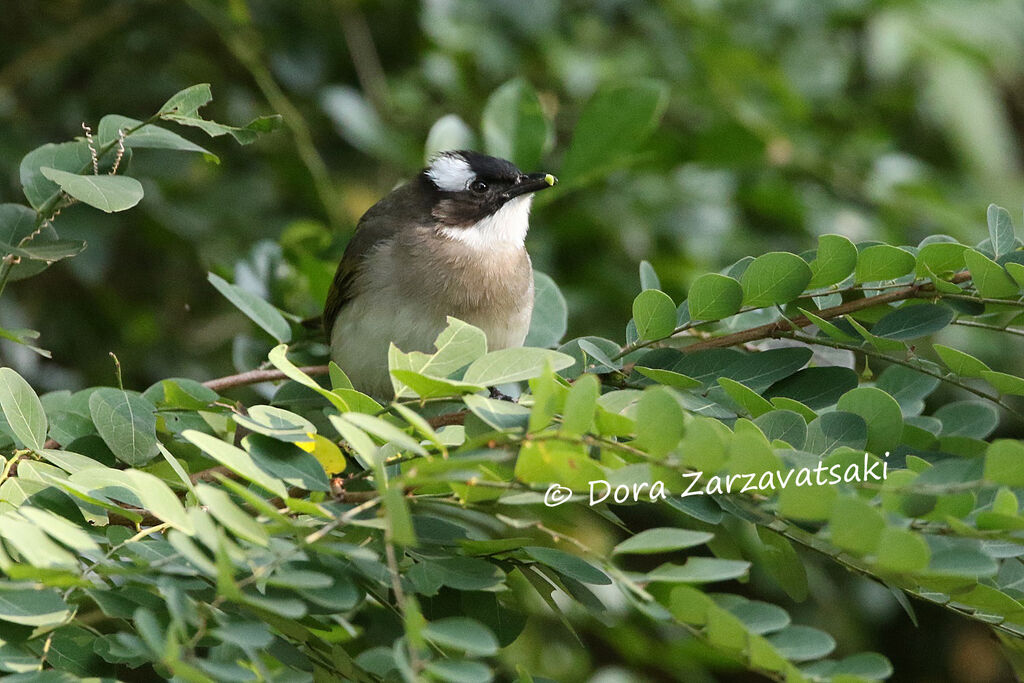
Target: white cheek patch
450, 173
505, 228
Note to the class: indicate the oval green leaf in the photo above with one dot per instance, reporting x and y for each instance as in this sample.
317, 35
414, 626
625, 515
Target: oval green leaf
713, 297
774, 278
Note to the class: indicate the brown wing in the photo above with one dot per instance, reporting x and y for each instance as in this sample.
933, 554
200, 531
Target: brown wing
404, 208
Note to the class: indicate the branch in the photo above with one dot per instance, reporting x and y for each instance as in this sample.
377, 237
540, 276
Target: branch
256, 376
786, 325
806, 339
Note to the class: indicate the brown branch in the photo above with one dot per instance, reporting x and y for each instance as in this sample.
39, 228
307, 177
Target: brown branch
782, 326
257, 376
447, 419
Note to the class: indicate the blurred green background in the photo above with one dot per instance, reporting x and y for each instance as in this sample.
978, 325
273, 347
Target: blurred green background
887, 120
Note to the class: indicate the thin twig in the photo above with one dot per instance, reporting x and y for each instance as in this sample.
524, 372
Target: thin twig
985, 326
256, 376
820, 341
773, 329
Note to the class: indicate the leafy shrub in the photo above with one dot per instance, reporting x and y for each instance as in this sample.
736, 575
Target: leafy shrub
323, 535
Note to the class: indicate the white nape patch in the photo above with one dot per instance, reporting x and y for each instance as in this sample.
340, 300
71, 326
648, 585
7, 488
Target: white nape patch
450, 173
505, 228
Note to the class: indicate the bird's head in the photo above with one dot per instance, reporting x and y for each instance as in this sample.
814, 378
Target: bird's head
480, 200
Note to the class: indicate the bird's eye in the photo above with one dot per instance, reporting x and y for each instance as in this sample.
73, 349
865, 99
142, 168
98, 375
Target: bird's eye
478, 186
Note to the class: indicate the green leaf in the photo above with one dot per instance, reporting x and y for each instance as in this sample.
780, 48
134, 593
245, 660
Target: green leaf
18, 223
276, 422
962, 364
906, 386
425, 386
500, 415
33, 607
966, 562
149, 136
989, 277
127, 424
1004, 462
23, 409
655, 314
1016, 271
73, 157
760, 617
911, 322
1000, 230
513, 365
668, 377
278, 357
108, 193
747, 399
779, 558
237, 521
883, 262
294, 464
570, 565
593, 352
783, 425
879, 343
648, 277
462, 633
68, 533
967, 418
458, 345
580, 405
1004, 383
774, 278
459, 573
659, 421
183, 109
514, 125
855, 525
661, 540
550, 313
613, 124
938, 258
880, 412
816, 388
188, 101
713, 297
809, 503
557, 461
827, 327
461, 671
137, 488
236, 460
834, 430
256, 309
835, 260
901, 550
802, 643
35, 547
699, 570
385, 431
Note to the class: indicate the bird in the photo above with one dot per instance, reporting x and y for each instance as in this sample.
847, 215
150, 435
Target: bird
450, 242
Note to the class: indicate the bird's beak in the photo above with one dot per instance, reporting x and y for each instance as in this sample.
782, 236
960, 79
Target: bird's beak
531, 182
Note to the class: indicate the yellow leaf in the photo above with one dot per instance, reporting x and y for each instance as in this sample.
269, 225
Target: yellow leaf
326, 451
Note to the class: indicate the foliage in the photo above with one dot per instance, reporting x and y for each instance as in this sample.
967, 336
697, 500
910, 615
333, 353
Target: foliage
325, 535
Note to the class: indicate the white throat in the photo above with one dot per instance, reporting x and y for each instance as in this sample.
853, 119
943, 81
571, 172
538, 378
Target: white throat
504, 229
